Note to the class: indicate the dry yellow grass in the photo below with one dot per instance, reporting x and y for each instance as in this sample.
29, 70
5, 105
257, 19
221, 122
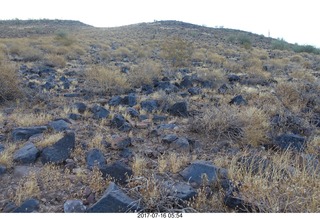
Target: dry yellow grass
49, 139
30, 119
6, 156
285, 186
28, 188
106, 80
9, 81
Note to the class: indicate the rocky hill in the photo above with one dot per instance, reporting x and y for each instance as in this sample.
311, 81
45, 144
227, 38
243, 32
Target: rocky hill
156, 117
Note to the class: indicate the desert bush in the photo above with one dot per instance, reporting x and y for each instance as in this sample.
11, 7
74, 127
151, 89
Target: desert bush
247, 125
9, 82
244, 40
144, 73
177, 51
106, 80
55, 60
280, 44
64, 39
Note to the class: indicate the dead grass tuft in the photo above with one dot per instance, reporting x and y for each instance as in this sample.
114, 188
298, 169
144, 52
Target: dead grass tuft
106, 80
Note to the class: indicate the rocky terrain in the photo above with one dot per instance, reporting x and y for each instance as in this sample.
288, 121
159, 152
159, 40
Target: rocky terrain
156, 117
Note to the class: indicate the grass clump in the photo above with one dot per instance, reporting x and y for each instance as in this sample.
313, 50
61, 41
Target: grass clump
9, 82
106, 80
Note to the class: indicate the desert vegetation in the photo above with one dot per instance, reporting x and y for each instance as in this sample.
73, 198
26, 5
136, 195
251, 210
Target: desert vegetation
173, 117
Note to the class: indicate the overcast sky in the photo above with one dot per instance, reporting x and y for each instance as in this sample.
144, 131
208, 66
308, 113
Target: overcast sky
295, 21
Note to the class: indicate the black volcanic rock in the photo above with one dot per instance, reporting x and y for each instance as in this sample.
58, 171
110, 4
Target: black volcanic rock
20, 134
179, 109
59, 151
114, 200
95, 158
290, 141
195, 171
27, 154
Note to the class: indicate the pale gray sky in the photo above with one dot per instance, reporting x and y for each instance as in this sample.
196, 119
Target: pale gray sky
295, 21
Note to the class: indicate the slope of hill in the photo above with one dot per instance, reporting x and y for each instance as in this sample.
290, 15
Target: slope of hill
156, 117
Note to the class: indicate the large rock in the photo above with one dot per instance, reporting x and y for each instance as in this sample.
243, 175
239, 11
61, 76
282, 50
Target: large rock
194, 172
290, 141
129, 100
168, 139
20, 134
118, 171
99, 112
74, 206
179, 109
59, 151
27, 154
115, 101
120, 122
238, 100
59, 125
28, 206
95, 158
80, 107
180, 190
149, 105
181, 144
114, 201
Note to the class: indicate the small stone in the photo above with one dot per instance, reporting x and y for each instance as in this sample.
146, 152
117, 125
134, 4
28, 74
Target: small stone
99, 112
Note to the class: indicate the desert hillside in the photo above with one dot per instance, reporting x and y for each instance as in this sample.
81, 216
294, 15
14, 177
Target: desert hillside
156, 117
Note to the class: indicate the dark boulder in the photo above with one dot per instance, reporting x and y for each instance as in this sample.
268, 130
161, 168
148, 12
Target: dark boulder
114, 201
20, 134
59, 151
80, 107
27, 154
290, 141
115, 101
233, 78
169, 138
118, 171
95, 158
181, 191
132, 112
129, 100
238, 100
194, 91
74, 206
59, 125
28, 206
99, 112
179, 109
119, 122
195, 171
149, 105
